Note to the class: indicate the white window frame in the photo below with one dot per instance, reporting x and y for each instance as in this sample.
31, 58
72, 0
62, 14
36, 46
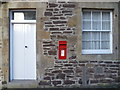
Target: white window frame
99, 51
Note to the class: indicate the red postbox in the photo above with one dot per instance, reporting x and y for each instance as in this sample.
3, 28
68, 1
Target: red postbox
62, 50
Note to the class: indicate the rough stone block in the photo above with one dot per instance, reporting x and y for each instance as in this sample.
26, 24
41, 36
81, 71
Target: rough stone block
54, 18
68, 71
56, 82
53, 5
69, 5
48, 13
47, 78
67, 64
59, 22
49, 74
69, 82
54, 29
99, 76
99, 69
45, 82
60, 76
93, 81
57, 71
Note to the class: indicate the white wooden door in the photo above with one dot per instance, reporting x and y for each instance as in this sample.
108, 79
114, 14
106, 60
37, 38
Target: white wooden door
24, 51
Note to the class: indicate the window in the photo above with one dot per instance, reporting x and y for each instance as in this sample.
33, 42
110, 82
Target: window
24, 15
97, 32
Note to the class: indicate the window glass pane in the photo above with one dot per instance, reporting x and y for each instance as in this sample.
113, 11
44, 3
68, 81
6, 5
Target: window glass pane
105, 15
105, 45
96, 45
95, 36
105, 36
23, 15
87, 15
105, 25
86, 36
96, 25
96, 16
86, 45
87, 25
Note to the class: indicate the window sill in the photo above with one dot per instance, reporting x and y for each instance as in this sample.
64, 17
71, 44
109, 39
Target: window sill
96, 51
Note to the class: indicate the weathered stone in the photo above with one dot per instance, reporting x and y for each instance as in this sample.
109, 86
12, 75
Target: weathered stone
45, 82
106, 80
67, 32
80, 81
47, 78
67, 64
53, 5
56, 9
54, 18
62, 18
69, 82
50, 9
99, 69
81, 64
55, 12
103, 65
56, 82
58, 15
93, 61
93, 81
58, 61
48, 22
68, 14
74, 61
68, 71
72, 57
48, 45
4, 82
83, 61
91, 70
49, 74
60, 76
57, 71
78, 70
61, 37
108, 62
114, 65
47, 42
54, 29
100, 61
99, 76
66, 11
70, 76
49, 25
65, 61
59, 22
114, 68
48, 13
56, 32
69, 5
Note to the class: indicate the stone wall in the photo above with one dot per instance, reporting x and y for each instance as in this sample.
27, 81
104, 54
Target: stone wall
81, 73
61, 23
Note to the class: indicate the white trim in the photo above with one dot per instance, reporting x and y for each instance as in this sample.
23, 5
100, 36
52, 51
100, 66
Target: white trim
23, 21
99, 51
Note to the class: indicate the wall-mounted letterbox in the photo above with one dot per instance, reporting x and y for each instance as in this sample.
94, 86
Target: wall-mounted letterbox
62, 50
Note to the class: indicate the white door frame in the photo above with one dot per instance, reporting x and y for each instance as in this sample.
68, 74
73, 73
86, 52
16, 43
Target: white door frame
11, 37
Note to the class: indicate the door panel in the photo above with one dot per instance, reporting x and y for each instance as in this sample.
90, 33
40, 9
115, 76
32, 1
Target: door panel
30, 51
24, 51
